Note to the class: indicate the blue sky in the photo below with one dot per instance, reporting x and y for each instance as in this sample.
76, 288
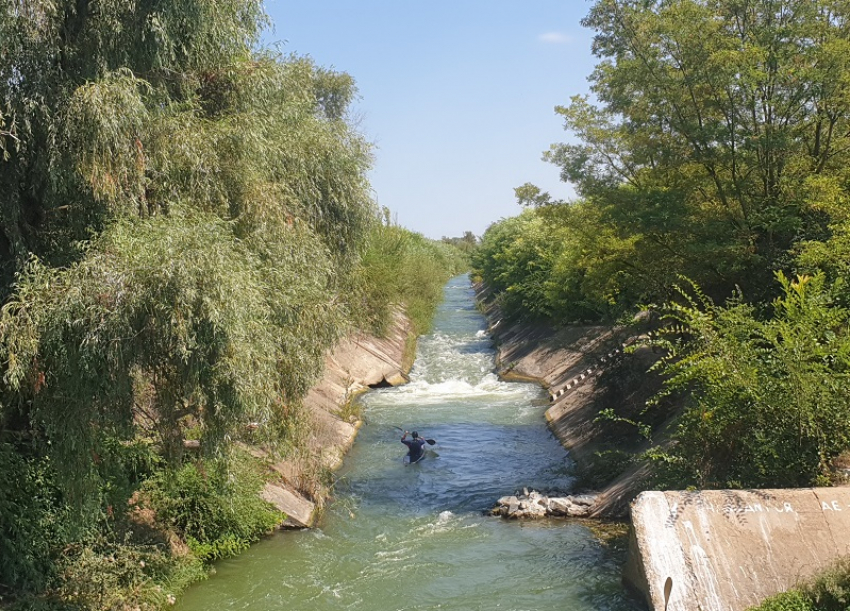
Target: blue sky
457, 97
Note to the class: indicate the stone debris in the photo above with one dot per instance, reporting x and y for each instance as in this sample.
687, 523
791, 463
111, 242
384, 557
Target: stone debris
535, 505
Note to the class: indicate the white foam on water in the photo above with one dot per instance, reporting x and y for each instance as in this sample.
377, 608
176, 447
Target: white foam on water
446, 522
487, 388
396, 555
451, 368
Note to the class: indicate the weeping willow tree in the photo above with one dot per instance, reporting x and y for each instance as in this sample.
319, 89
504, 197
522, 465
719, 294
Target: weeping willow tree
182, 221
174, 163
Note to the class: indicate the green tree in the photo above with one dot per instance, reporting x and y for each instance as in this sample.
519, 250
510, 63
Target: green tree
126, 109
713, 118
182, 221
465, 243
191, 203
561, 262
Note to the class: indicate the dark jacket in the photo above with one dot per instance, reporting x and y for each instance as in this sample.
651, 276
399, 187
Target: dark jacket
415, 448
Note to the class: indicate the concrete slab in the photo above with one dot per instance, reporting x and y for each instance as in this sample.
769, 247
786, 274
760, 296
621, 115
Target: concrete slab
299, 511
726, 550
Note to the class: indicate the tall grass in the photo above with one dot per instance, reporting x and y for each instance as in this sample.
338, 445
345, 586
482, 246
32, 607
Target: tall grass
404, 269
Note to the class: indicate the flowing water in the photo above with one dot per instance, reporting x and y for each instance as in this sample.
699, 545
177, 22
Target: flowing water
415, 537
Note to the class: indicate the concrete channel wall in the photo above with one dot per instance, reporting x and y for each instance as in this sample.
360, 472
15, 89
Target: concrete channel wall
726, 550
352, 367
568, 363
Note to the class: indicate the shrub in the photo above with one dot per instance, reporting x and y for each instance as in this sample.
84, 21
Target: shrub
32, 521
123, 575
829, 591
793, 600
214, 505
767, 400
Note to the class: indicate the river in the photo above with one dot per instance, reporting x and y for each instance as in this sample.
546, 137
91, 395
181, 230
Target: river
414, 537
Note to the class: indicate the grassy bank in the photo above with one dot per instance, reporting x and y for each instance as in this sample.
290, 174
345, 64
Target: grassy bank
154, 524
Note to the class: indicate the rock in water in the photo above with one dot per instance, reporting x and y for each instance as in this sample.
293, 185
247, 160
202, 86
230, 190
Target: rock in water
535, 505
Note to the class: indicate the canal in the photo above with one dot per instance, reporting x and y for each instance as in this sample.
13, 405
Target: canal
415, 537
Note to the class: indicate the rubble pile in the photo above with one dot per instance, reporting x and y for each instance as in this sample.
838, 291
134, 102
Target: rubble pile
535, 505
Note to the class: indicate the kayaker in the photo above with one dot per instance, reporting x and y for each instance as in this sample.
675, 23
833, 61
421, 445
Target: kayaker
415, 446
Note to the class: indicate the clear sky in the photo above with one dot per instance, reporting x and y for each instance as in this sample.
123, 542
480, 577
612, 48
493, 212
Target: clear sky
458, 97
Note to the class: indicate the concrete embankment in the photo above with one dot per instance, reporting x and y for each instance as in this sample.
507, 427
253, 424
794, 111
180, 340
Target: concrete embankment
570, 362
710, 550
353, 366
726, 550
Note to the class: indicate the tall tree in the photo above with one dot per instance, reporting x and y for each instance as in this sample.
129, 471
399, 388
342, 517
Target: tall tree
185, 214
713, 119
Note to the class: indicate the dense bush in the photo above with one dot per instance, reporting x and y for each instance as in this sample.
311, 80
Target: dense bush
561, 262
766, 400
106, 572
214, 506
34, 525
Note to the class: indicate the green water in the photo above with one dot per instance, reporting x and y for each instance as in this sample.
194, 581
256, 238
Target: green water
415, 537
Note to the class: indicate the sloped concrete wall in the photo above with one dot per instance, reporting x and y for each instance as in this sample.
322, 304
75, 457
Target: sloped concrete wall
568, 362
354, 365
726, 550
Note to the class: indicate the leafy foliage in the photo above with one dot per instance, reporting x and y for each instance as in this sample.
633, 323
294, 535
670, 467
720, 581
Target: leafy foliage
161, 326
767, 399
185, 215
716, 150
186, 228
715, 118
558, 262
106, 573
214, 506
33, 524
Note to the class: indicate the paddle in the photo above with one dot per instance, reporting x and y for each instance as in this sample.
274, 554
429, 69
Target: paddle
668, 587
430, 442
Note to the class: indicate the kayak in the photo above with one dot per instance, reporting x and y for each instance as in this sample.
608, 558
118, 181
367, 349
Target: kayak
429, 452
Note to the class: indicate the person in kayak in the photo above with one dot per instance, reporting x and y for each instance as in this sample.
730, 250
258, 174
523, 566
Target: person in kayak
415, 446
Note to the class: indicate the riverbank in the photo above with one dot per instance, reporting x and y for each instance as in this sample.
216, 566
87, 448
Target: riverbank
585, 369
355, 364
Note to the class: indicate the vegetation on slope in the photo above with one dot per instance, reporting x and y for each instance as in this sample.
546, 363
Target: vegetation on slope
185, 229
829, 591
